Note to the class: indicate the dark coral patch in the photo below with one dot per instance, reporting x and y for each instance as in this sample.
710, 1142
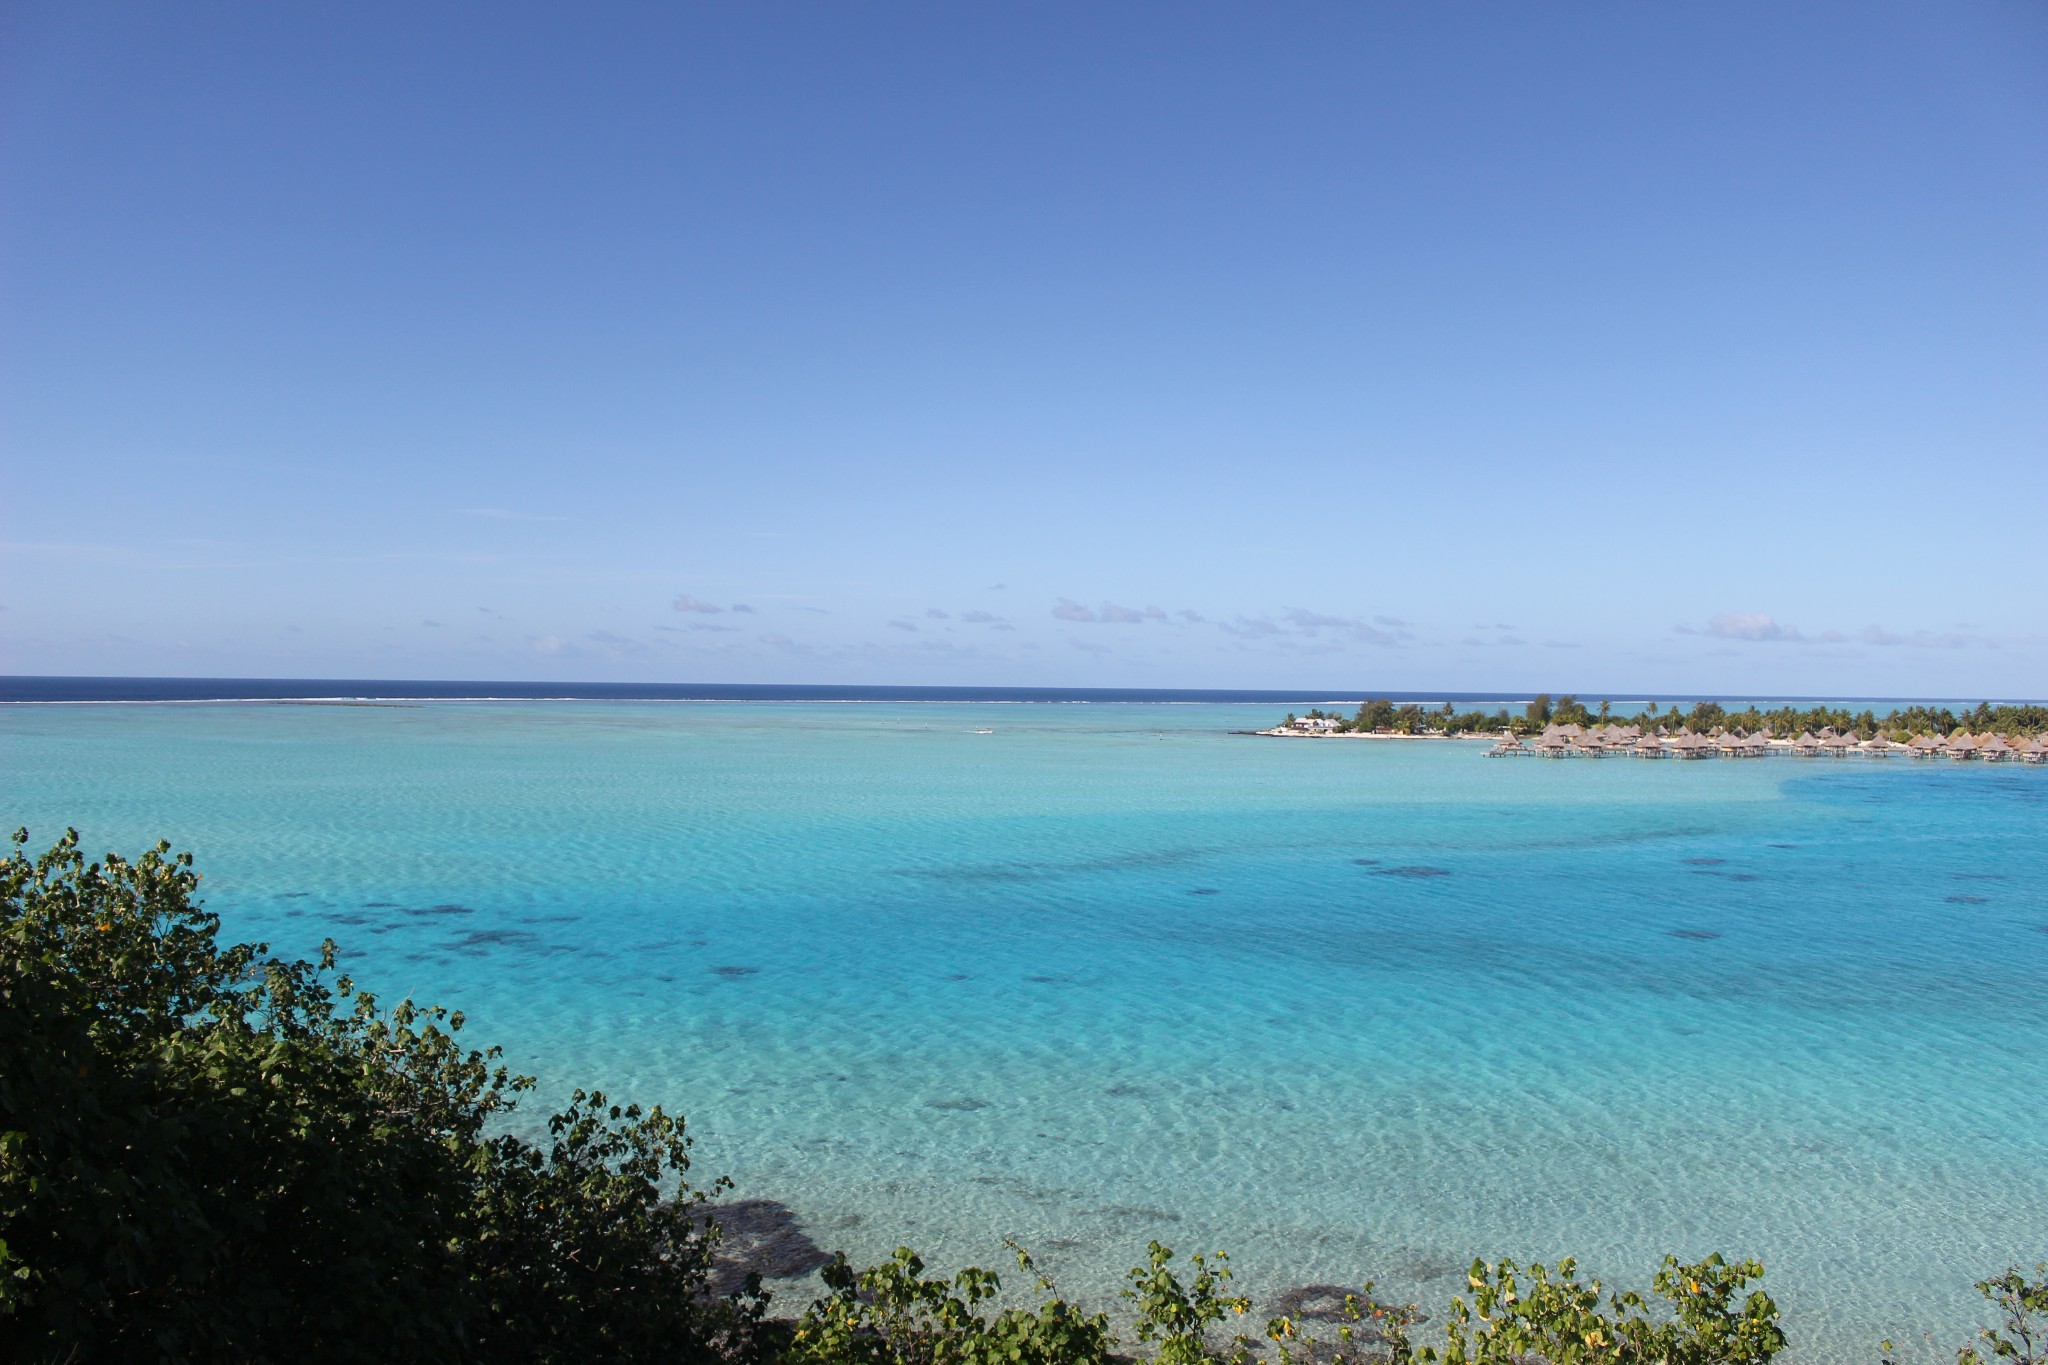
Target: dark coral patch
1137, 1214
1321, 1303
966, 1104
1700, 934
1417, 872
735, 973
1204, 891
1705, 862
1966, 900
761, 1237
477, 942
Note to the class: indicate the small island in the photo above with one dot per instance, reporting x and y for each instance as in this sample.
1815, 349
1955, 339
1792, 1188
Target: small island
1566, 728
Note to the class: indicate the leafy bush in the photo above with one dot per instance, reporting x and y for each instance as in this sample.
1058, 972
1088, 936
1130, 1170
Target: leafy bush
1561, 1320
2023, 1337
892, 1314
206, 1154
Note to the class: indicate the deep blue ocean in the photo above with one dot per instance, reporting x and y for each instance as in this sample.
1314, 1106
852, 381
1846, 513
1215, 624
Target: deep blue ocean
1111, 972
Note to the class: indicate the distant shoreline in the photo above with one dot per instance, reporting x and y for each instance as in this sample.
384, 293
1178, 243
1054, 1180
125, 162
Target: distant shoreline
21, 689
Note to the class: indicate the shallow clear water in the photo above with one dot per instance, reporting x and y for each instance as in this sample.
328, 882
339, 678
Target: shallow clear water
1346, 1008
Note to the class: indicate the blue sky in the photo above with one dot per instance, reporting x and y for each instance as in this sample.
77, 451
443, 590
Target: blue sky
1604, 348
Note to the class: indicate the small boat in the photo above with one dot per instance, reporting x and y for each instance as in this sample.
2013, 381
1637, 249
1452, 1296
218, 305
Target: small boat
984, 732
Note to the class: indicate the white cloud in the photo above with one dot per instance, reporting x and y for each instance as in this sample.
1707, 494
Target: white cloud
1256, 627
697, 604
1749, 625
1067, 609
1311, 623
1111, 614
613, 643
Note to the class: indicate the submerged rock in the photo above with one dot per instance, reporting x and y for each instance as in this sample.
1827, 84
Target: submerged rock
1315, 1303
758, 1236
1312, 1304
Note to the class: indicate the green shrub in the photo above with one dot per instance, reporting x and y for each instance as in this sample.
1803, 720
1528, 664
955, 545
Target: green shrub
207, 1154
2023, 1337
1558, 1319
893, 1314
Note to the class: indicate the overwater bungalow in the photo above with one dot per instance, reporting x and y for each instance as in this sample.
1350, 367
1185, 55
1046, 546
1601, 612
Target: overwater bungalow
1634, 741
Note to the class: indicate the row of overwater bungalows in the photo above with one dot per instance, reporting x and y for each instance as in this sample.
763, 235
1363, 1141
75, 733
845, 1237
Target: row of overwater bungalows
1573, 741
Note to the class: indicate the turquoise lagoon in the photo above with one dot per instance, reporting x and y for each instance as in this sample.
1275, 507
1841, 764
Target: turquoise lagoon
1111, 972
